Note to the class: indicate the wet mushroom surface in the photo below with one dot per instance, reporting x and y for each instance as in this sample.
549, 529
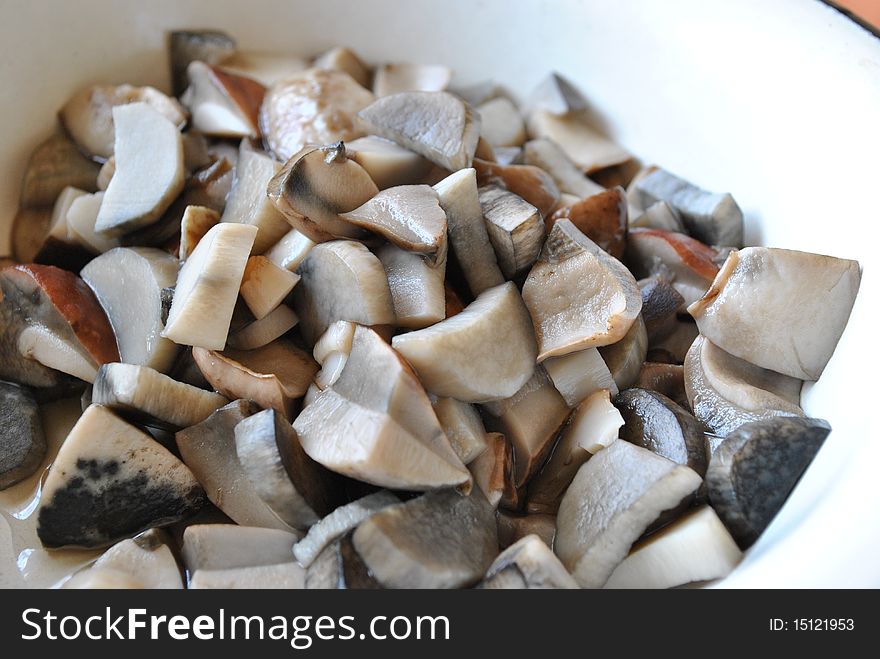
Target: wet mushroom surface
348, 324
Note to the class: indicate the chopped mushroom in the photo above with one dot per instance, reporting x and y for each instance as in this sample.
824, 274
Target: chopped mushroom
515, 228
54, 165
531, 183
578, 295
291, 250
587, 147
185, 46
756, 467
462, 424
492, 469
556, 95
666, 379
765, 303
24, 445
387, 163
344, 59
221, 103
395, 78
266, 68
439, 540
673, 348
602, 217
550, 157
287, 576
98, 492
262, 332
486, 352
416, 286
659, 216
613, 499
194, 225
515, 526
29, 230
265, 285
337, 338
58, 245
660, 305
579, 374
527, 564
81, 219
624, 358
437, 125
502, 124
226, 546
339, 566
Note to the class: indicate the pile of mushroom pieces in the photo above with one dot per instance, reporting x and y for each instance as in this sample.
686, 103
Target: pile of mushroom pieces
351, 327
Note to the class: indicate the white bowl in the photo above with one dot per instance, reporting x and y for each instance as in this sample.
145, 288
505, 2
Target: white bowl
776, 102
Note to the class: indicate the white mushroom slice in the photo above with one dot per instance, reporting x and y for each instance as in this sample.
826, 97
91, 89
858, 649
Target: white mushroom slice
659, 216
265, 285
463, 426
387, 163
439, 540
89, 115
273, 376
437, 125
331, 369
54, 165
341, 280
765, 303
194, 225
416, 286
248, 203
550, 157
81, 218
613, 499
149, 395
291, 250
149, 170
459, 199
344, 59
530, 420
515, 228
57, 244
502, 124
491, 468
317, 106
287, 576
207, 287
146, 559
696, 548
486, 352
408, 216
339, 523
578, 295
596, 422
396, 78
52, 351
209, 450
133, 302
337, 338
261, 332
725, 392
529, 564
579, 374
111, 480
376, 424
185, 46
225, 546
265, 68
587, 147
556, 95
315, 186
624, 358
221, 103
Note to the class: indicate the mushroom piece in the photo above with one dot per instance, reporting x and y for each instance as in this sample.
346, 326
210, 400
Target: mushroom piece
459, 199
785, 292
725, 392
265, 285
437, 125
439, 540
294, 486
207, 287
291, 250
387, 163
151, 397
339, 523
602, 217
515, 228
579, 374
653, 421
673, 348
194, 225
714, 219
687, 264
341, 280
262, 332
50, 321
227, 546
756, 467
666, 379
416, 286
502, 124
221, 103
336, 339
593, 426
396, 78
287, 576
578, 296
315, 186
376, 424
492, 469
340, 567
527, 564
624, 358
29, 230
344, 59
696, 548
274, 376
145, 559
81, 219
659, 216
102, 578
56, 244
208, 449
248, 203
463, 426
660, 305
486, 352
185, 46
515, 526
54, 165
133, 302
550, 157
530, 420
556, 95
531, 183
266, 68
613, 499
98, 492
24, 444
585, 146
142, 188
317, 106
89, 117
409, 216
